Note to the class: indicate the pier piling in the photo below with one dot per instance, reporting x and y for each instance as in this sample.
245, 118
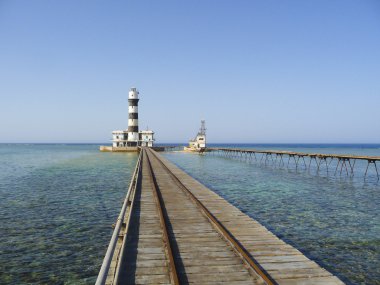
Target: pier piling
345, 164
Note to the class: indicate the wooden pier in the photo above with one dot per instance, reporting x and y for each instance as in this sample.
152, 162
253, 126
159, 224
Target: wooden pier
174, 230
343, 163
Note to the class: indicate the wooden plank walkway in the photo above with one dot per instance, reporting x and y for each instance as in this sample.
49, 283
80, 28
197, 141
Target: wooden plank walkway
210, 240
202, 256
145, 260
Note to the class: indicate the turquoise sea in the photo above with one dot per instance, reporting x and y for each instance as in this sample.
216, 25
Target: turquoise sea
58, 202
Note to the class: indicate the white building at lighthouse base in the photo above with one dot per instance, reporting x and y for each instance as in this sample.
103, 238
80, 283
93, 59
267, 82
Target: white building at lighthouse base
120, 139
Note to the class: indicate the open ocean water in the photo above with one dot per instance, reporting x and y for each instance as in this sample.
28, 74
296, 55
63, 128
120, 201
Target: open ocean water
58, 202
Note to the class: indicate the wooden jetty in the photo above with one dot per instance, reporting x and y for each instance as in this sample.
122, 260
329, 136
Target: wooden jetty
344, 163
174, 230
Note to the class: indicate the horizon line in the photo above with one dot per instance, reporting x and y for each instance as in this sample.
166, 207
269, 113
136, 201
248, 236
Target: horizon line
237, 143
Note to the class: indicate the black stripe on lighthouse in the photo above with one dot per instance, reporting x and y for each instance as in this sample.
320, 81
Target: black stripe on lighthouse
133, 102
133, 129
133, 115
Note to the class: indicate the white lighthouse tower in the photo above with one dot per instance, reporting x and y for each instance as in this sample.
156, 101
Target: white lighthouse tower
132, 138
133, 119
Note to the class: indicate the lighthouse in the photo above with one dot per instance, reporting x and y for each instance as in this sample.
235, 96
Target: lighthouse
133, 118
131, 138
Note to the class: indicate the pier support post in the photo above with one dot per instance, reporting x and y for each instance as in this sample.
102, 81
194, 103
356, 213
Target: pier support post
352, 168
311, 158
290, 156
320, 161
374, 163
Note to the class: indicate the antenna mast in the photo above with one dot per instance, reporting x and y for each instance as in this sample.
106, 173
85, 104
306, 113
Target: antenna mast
202, 130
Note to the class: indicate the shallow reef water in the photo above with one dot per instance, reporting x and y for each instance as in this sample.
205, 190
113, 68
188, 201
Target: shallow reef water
58, 204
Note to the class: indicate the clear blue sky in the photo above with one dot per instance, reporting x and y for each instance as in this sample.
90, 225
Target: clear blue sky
256, 71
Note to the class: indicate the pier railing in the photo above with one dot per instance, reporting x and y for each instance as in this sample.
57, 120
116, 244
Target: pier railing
104, 270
